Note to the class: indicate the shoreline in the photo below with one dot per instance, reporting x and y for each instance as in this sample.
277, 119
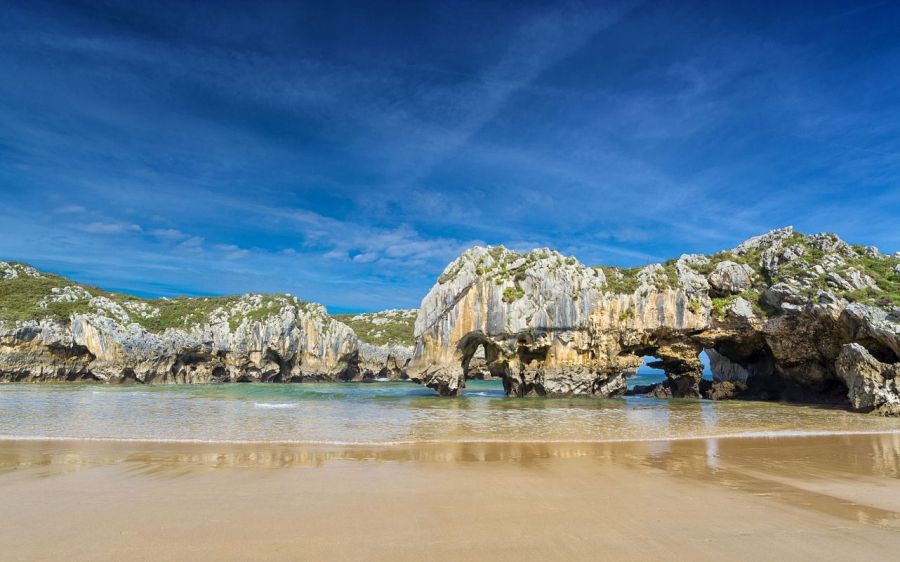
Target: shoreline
820, 497
752, 435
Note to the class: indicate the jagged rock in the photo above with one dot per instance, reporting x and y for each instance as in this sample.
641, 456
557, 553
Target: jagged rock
280, 339
542, 322
784, 296
386, 339
879, 328
851, 280
9, 270
550, 325
383, 361
723, 369
689, 278
725, 390
740, 308
831, 244
730, 278
648, 279
68, 293
764, 241
873, 386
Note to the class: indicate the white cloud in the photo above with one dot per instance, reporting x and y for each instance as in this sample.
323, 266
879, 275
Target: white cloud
194, 244
109, 228
365, 258
232, 251
170, 234
69, 210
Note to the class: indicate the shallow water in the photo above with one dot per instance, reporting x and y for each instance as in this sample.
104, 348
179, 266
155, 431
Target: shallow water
383, 413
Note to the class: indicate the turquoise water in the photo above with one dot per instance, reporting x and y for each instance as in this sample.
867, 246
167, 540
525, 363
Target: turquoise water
383, 413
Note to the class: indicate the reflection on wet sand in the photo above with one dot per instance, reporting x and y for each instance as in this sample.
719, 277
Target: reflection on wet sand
875, 455
829, 497
785, 469
789, 470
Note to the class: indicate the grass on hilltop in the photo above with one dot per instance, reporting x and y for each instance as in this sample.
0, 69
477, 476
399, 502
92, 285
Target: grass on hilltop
20, 298
397, 331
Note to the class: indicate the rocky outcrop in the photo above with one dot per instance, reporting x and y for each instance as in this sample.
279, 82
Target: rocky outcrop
873, 386
110, 338
768, 310
729, 278
383, 362
782, 316
386, 342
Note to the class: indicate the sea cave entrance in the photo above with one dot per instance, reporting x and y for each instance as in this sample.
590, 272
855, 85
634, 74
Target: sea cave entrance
657, 375
482, 360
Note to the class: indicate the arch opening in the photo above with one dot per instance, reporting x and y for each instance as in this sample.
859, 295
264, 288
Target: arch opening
482, 359
677, 370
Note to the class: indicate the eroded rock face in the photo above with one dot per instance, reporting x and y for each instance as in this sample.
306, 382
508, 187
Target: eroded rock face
729, 278
383, 362
873, 386
386, 339
279, 340
549, 325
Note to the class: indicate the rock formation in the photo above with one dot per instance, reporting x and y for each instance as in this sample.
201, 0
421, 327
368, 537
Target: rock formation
52, 330
776, 312
386, 342
782, 316
872, 386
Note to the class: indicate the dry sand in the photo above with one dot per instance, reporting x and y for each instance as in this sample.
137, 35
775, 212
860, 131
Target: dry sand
809, 498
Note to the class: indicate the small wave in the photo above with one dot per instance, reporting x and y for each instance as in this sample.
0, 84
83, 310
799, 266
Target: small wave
391, 443
274, 406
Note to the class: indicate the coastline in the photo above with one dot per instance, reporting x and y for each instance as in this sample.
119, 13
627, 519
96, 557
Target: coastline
823, 497
766, 435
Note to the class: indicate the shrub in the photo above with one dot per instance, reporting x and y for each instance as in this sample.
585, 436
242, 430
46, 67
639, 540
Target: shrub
512, 294
626, 314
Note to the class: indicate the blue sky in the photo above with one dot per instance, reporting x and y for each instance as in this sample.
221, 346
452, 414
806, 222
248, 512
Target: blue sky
346, 152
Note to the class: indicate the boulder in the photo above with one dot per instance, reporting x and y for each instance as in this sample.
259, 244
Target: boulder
725, 390
872, 385
728, 278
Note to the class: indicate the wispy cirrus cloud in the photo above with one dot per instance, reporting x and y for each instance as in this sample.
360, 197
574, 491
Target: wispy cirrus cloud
98, 227
198, 150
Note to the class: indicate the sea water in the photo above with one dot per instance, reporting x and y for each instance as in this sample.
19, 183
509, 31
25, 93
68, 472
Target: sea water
390, 412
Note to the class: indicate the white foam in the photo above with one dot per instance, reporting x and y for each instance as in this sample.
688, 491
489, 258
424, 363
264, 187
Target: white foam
274, 406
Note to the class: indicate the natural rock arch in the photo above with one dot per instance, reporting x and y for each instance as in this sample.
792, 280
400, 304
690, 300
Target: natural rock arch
554, 326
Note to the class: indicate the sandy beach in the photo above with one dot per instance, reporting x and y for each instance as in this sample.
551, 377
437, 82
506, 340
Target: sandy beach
823, 498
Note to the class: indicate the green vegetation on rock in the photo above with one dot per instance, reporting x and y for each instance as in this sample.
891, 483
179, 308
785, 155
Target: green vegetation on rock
752, 296
620, 280
695, 306
388, 327
512, 294
28, 297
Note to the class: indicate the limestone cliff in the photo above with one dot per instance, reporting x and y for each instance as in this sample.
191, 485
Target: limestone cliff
776, 311
54, 330
386, 342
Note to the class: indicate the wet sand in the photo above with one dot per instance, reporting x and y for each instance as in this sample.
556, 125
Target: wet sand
823, 498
